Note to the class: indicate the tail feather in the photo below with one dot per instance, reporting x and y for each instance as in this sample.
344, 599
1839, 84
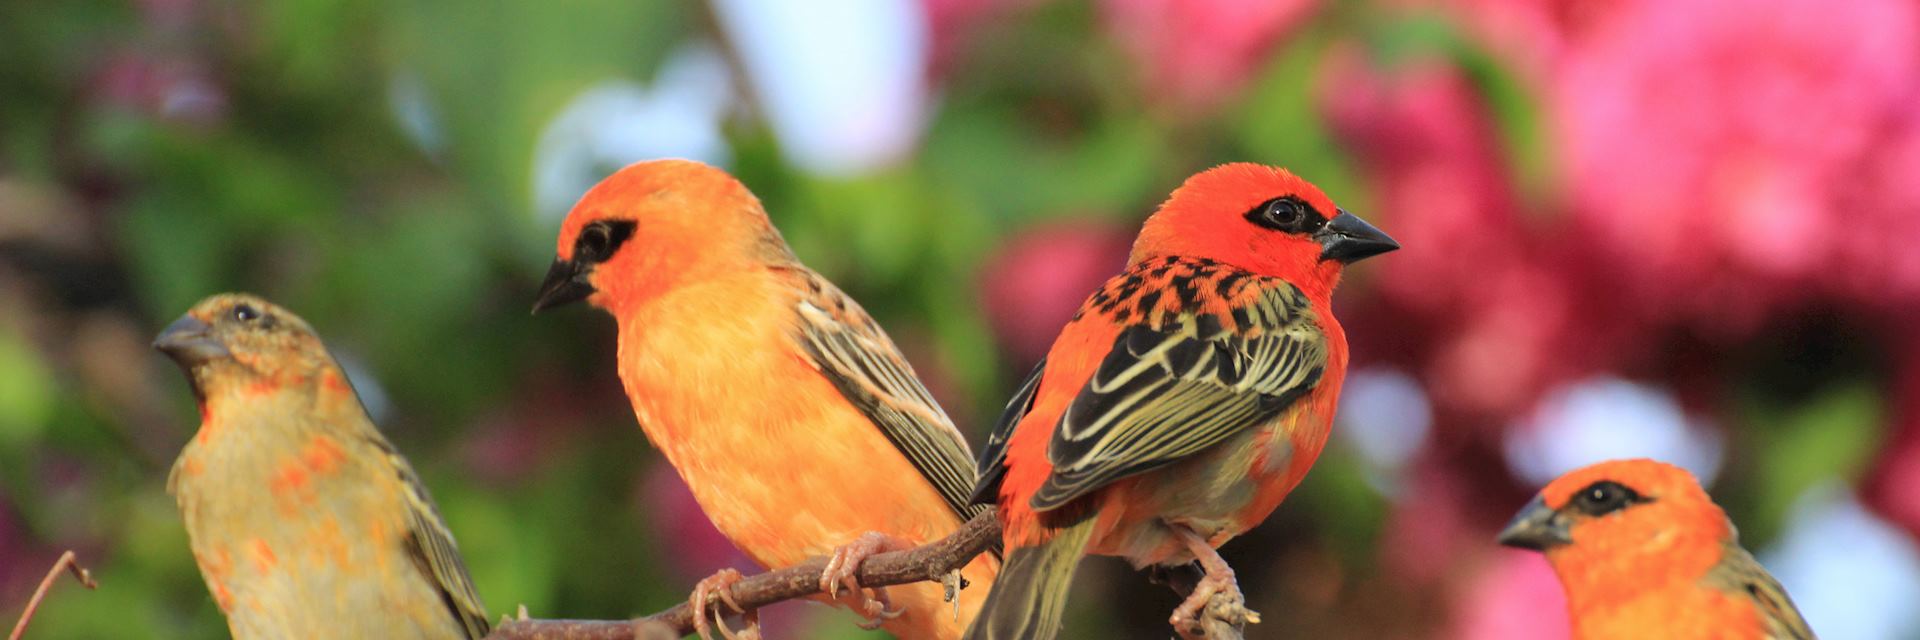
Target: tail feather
1030, 595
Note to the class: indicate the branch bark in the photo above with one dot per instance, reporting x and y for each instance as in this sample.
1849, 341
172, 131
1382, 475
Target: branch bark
932, 561
929, 562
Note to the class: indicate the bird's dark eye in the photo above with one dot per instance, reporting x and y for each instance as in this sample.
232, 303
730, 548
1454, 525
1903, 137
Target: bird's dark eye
1287, 213
599, 240
246, 313
1603, 497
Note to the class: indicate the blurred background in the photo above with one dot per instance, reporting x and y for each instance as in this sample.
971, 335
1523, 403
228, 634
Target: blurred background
1673, 228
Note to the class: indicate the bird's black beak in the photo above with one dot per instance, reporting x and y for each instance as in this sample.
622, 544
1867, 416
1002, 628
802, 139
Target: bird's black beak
566, 283
1536, 527
1349, 239
189, 341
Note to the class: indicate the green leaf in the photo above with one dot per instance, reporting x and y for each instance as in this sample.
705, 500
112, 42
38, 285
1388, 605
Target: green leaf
1833, 435
27, 392
1280, 123
498, 71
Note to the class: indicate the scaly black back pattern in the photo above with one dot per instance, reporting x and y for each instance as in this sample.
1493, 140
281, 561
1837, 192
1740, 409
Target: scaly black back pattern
1206, 350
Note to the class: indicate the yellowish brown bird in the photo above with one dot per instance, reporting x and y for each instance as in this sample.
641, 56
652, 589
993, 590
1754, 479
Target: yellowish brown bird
304, 520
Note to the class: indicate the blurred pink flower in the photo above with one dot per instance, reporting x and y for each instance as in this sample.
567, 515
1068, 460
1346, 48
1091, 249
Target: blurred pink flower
1032, 285
1878, 265
1495, 310
951, 21
170, 88
1721, 164
1429, 526
159, 73
1708, 146
1532, 35
1515, 595
1195, 53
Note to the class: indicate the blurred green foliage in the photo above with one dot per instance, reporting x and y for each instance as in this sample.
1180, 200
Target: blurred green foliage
416, 256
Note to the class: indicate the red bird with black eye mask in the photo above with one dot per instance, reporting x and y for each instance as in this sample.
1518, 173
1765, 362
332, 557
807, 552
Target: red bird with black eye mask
1190, 394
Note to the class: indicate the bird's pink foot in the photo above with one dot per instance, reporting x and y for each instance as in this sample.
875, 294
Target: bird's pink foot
1216, 599
843, 568
719, 586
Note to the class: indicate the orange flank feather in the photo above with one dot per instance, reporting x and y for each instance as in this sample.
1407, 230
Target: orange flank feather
797, 424
1643, 552
1183, 402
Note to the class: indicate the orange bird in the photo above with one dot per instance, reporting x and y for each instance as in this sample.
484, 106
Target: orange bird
304, 520
1644, 553
1189, 395
789, 413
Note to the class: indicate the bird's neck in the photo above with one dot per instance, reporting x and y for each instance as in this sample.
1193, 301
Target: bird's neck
244, 398
1605, 579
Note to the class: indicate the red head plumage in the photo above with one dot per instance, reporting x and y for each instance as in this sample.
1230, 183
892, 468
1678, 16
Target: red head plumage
1262, 219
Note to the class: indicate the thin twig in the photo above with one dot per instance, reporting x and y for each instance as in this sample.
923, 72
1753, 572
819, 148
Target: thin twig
68, 562
928, 562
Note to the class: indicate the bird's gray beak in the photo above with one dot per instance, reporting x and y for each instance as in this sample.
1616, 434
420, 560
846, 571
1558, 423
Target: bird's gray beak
1536, 527
566, 283
189, 341
1349, 239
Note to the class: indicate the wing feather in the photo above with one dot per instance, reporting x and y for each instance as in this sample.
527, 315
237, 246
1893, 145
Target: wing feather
431, 546
1739, 573
851, 350
1171, 389
993, 457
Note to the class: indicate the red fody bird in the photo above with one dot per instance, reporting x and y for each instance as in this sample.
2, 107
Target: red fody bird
1643, 552
1190, 394
797, 424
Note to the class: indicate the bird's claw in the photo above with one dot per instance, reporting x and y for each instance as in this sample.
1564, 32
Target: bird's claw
1216, 594
878, 609
719, 586
1216, 598
843, 567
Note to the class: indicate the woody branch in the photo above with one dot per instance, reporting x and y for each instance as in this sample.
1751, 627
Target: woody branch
930, 562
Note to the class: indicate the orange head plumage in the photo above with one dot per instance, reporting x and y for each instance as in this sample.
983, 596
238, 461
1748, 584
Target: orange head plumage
1623, 522
654, 225
1264, 220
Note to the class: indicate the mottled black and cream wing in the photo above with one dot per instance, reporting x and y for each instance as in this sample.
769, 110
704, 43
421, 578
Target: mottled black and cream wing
1739, 573
853, 353
431, 546
1162, 394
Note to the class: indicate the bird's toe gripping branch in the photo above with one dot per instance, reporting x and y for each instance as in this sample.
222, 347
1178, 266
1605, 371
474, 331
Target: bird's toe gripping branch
719, 587
1216, 601
842, 569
